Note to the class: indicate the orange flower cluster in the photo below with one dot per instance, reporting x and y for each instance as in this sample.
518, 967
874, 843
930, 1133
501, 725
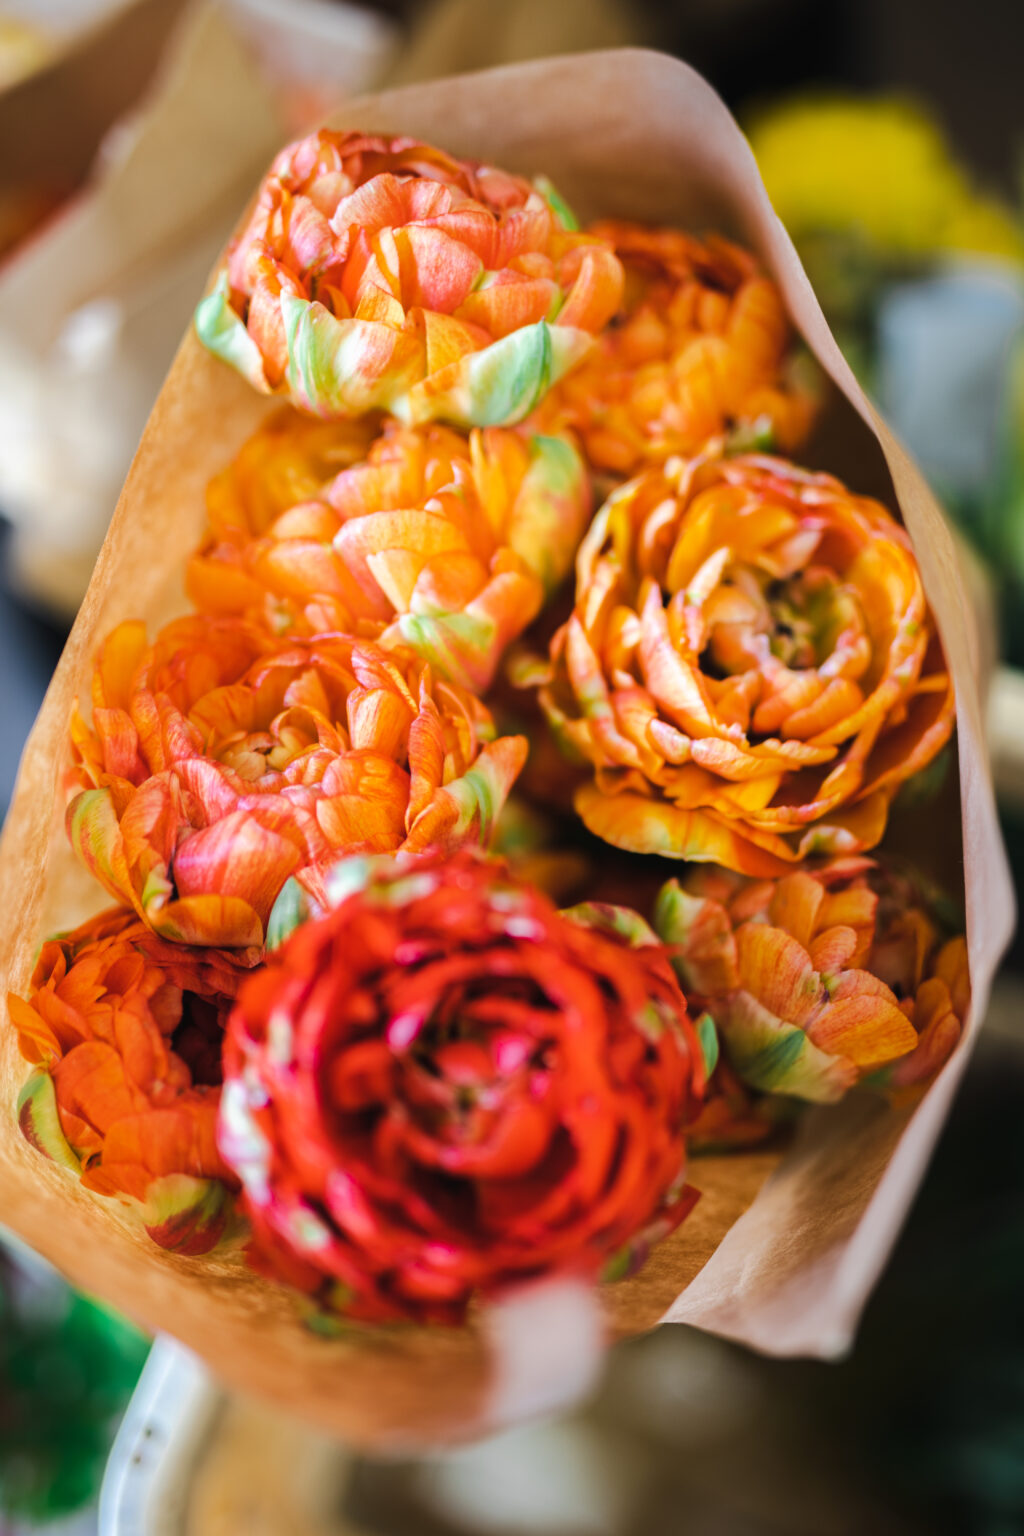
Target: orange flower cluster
700, 346
746, 674
385, 274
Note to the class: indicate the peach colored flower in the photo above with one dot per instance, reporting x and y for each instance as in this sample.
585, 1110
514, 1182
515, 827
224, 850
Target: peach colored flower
822, 978
382, 273
285, 464
445, 545
701, 346
220, 762
750, 669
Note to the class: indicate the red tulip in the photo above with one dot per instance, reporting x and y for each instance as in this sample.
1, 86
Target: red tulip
444, 1085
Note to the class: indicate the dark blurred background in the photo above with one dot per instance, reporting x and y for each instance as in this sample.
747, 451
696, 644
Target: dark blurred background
891, 137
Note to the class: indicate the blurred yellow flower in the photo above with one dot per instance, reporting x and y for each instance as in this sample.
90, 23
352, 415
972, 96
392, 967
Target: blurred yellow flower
882, 167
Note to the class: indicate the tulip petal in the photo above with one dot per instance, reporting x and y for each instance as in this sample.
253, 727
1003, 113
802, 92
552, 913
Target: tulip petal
863, 1023
467, 809
609, 918
702, 938
186, 1215
776, 1057
40, 1124
640, 824
345, 367
223, 333
95, 835
500, 384
235, 857
291, 908
777, 970
228, 922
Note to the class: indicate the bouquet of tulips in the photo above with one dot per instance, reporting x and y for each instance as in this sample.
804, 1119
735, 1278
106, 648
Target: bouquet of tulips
509, 527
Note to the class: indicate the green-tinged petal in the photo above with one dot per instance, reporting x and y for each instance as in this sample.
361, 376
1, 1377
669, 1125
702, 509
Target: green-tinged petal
480, 795
640, 824
526, 669
223, 333
344, 367
701, 934
446, 640
707, 1036
778, 1058
379, 878
95, 834
466, 810
551, 509
186, 1215
500, 384
608, 918
397, 890
556, 202
218, 921
39, 1121
350, 876
291, 908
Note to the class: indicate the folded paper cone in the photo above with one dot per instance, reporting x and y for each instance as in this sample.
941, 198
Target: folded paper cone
781, 1258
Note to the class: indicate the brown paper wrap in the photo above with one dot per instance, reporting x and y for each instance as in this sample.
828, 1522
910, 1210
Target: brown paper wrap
783, 1265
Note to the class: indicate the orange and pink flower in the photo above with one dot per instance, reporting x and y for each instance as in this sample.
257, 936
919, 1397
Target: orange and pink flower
384, 274
220, 762
437, 543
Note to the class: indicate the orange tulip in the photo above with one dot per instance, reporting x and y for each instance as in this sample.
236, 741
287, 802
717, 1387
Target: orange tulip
821, 979
384, 274
434, 542
219, 763
701, 346
751, 669
285, 464
126, 1031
